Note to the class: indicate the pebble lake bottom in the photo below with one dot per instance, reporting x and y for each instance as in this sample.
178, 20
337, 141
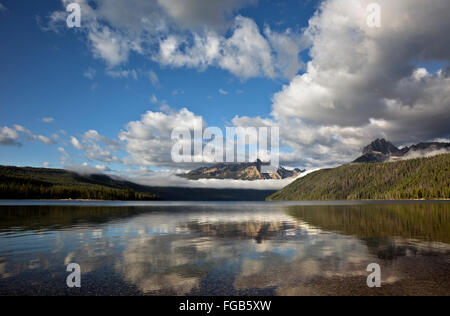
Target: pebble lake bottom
224, 249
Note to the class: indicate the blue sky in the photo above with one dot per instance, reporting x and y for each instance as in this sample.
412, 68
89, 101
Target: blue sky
51, 71
44, 77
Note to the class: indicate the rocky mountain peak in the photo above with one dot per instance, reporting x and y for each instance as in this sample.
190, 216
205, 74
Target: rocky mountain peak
241, 171
381, 146
381, 150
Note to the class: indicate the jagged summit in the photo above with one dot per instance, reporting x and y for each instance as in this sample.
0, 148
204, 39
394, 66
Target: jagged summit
241, 171
382, 146
381, 150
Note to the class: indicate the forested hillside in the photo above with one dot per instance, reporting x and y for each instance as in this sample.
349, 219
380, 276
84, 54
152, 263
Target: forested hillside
48, 184
425, 178
38, 183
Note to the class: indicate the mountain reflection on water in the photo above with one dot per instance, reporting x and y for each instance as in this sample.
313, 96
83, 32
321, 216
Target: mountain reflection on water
226, 249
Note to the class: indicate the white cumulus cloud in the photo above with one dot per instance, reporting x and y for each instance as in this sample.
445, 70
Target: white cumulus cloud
9, 136
148, 141
186, 33
363, 83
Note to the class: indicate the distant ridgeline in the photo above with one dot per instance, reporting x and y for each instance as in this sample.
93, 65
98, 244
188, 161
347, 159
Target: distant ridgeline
422, 178
241, 171
39, 183
382, 150
52, 184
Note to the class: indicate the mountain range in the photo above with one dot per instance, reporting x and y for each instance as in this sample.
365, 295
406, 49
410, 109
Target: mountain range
49, 184
367, 178
381, 151
241, 171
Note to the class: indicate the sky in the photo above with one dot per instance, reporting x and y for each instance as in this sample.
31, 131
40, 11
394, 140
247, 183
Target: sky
105, 97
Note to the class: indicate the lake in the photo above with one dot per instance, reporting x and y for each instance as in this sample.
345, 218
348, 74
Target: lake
224, 248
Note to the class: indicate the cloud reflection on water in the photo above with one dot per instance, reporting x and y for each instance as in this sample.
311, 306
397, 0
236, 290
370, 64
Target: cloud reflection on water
227, 250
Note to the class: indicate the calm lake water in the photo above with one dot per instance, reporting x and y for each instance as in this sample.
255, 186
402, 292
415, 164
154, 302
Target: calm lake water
224, 248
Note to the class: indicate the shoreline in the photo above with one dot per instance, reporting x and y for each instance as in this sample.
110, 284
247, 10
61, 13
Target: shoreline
106, 203
93, 200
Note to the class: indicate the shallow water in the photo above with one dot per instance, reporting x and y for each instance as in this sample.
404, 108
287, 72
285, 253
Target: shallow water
224, 248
